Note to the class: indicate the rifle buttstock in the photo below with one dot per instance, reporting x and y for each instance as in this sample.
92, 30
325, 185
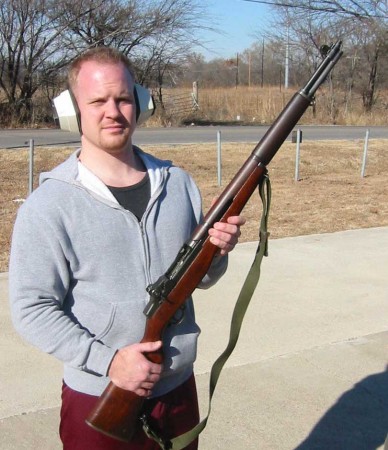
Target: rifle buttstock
116, 413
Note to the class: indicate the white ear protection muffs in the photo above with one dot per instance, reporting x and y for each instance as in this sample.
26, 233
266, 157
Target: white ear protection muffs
145, 105
69, 117
67, 113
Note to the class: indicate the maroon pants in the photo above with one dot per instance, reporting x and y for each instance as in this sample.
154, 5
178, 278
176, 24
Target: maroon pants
173, 414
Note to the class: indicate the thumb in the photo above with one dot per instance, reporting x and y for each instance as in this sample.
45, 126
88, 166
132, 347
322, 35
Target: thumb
146, 347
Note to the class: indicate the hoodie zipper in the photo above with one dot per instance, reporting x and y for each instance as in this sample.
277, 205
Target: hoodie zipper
143, 223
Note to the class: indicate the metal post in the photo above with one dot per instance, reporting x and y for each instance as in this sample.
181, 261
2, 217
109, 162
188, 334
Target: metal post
31, 168
286, 70
219, 169
365, 155
195, 93
297, 158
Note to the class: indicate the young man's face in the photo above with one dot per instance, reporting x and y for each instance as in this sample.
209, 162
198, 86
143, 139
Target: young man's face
105, 98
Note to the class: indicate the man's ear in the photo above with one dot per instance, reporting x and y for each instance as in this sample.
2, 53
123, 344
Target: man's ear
67, 112
145, 105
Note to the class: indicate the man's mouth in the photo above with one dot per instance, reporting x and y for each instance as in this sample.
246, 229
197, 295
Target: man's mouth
114, 128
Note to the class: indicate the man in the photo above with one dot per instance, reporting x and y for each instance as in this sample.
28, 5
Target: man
100, 228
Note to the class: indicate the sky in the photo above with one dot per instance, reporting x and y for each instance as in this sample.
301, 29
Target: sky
237, 20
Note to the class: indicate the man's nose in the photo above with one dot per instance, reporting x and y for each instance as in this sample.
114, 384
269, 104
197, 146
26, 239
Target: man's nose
112, 109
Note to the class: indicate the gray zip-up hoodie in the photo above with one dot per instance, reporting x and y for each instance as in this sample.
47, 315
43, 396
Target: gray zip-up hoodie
80, 264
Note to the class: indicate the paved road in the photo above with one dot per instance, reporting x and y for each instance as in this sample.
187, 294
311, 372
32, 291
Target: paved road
194, 134
309, 372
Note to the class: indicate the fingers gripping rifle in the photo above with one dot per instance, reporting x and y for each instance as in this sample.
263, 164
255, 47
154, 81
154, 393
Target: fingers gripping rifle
117, 411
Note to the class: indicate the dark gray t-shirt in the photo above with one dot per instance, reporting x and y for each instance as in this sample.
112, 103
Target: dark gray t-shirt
134, 198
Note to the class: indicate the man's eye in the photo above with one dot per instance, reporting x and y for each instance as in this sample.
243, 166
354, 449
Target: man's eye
127, 100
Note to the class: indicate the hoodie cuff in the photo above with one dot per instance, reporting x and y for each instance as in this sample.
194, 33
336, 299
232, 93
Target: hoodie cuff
100, 358
215, 272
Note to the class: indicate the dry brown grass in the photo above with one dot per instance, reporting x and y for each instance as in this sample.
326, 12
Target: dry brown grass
331, 195
262, 105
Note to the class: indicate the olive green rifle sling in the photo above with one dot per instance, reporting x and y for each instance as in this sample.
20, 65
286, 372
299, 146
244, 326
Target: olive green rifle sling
244, 298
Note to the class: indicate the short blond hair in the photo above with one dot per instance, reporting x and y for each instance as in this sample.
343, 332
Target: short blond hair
101, 55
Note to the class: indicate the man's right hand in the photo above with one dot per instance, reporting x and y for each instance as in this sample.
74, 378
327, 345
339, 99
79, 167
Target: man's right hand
132, 371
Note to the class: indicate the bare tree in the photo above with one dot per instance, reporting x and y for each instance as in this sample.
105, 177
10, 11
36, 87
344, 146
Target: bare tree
137, 28
31, 52
157, 35
39, 37
311, 23
120, 24
360, 9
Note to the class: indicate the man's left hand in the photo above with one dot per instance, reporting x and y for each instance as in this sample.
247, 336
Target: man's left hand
225, 235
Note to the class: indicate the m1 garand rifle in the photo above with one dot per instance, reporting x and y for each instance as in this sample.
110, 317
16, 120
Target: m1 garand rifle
117, 411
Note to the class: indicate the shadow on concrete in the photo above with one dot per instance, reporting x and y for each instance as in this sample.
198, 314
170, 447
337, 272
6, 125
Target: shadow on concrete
357, 421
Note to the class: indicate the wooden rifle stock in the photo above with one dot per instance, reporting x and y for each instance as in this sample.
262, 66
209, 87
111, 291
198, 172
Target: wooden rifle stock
117, 411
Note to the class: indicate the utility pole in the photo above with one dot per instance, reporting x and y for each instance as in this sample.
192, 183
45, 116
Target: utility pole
237, 74
262, 64
249, 69
287, 59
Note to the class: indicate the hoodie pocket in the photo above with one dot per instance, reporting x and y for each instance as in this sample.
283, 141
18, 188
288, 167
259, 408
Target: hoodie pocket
109, 323
123, 325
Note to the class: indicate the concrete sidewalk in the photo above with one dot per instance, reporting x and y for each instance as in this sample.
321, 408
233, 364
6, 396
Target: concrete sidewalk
310, 369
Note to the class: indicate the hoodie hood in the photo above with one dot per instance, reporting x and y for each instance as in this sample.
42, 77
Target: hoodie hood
74, 172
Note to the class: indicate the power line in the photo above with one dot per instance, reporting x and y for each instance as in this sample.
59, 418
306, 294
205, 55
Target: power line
332, 9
